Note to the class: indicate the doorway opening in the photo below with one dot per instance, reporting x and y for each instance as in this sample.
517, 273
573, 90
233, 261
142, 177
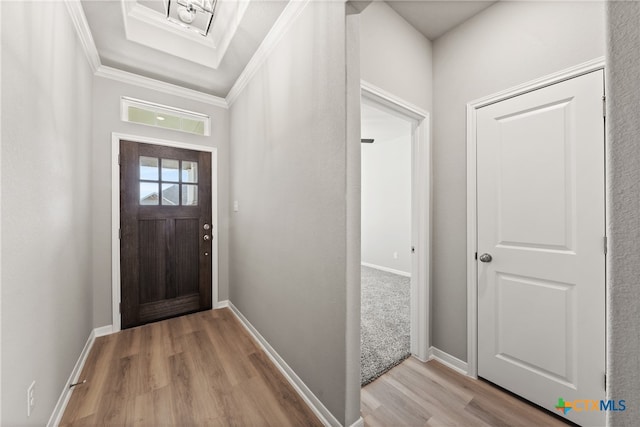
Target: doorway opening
395, 162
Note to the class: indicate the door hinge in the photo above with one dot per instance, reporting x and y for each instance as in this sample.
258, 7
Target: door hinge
119, 307
476, 256
604, 106
120, 233
118, 158
606, 244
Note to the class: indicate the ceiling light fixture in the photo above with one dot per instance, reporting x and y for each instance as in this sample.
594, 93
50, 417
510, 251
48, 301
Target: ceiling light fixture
196, 15
186, 14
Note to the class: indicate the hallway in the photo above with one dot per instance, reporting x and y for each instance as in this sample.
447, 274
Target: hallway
430, 394
199, 369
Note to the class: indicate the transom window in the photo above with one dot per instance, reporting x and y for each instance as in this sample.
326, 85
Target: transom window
168, 182
163, 116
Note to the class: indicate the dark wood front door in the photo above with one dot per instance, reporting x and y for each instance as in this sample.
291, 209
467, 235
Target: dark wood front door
166, 232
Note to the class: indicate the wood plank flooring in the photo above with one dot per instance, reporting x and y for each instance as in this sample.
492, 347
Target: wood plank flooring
205, 369
200, 369
430, 394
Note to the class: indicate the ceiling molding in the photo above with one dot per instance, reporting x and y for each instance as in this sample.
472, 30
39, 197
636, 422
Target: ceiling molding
149, 27
84, 33
79, 19
160, 86
288, 16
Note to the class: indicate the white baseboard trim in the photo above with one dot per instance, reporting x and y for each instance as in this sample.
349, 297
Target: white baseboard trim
448, 360
222, 304
296, 382
415, 356
103, 330
387, 269
358, 423
58, 411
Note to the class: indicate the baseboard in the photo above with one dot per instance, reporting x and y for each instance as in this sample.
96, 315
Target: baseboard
58, 411
415, 356
296, 382
387, 269
358, 423
448, 360
103, 330
222, 304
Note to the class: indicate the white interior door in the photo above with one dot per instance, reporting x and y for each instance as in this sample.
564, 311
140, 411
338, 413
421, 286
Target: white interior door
541, 217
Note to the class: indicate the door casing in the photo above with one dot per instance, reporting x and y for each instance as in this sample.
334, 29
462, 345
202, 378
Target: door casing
472, 230
115, 216
420, 212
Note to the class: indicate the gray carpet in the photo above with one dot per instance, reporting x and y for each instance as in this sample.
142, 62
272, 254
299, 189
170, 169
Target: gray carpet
384, 337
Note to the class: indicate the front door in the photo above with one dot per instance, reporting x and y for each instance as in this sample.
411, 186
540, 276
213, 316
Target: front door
166, 234
541, 228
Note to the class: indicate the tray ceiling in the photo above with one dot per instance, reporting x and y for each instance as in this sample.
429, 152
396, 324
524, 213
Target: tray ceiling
134, 36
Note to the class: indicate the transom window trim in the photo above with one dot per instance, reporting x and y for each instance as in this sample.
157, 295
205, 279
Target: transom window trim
163, 116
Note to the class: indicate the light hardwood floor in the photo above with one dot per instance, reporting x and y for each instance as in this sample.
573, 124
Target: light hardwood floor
205, 369
430, 394
200, 369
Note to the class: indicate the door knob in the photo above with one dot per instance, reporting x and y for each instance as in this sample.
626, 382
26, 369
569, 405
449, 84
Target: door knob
486, 257
206, 237
206, 226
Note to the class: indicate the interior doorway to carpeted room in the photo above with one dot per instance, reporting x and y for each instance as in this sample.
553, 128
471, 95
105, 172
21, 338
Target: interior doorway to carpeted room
386, 240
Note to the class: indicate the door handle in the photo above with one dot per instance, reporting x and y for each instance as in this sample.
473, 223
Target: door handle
486, 258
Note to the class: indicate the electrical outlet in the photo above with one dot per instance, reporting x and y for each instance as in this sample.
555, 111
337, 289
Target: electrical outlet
31, 398
395, 255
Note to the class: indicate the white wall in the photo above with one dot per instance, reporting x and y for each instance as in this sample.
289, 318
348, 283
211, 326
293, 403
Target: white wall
623, 190
288, 241
386, 197
0, 214
394, 56
46, 205
507, 44
106, 110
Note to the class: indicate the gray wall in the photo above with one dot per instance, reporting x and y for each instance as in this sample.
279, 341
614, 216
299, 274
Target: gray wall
394, 56
353, 241
288, 245
106, 109
623, 182
507, 44
46, 205
386, 201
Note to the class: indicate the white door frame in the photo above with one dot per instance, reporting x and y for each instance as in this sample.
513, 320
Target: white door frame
420, 212
472, 231
115, 215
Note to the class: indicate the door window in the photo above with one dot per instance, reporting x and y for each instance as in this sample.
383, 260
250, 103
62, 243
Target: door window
168, 182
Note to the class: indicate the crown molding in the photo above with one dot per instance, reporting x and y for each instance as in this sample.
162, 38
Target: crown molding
160, 86
282, 24
84, 33
288, 16
79, 19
